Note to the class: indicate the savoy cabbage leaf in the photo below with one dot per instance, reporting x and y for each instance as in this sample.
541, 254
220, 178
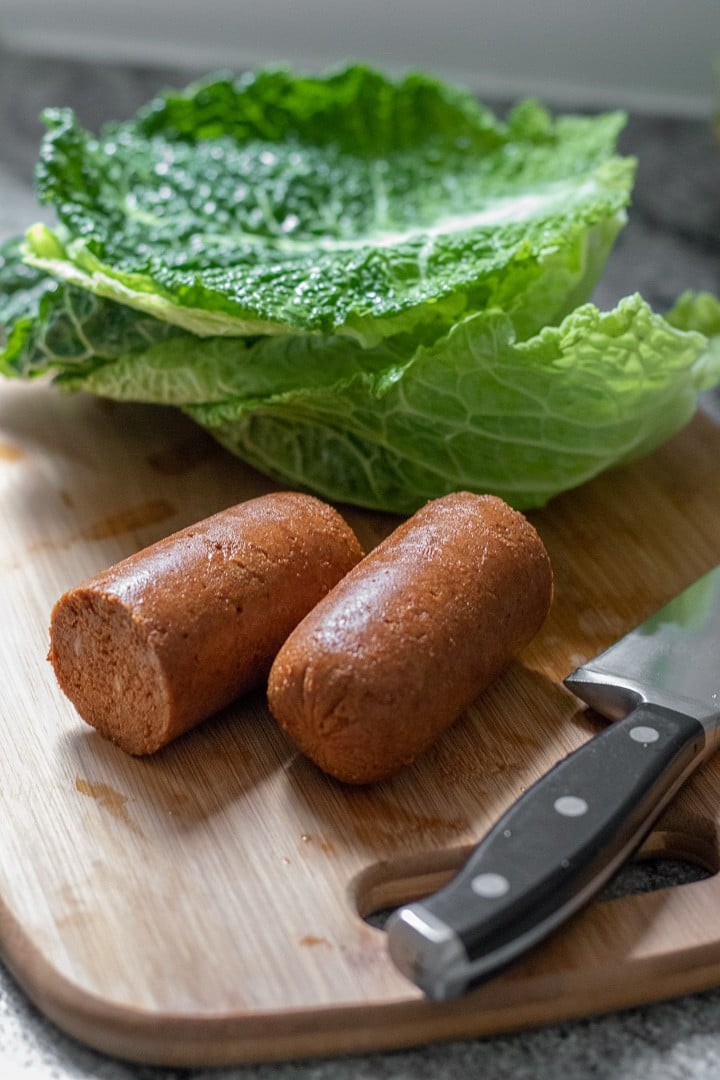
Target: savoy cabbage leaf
372, 289
392, 425
349, 204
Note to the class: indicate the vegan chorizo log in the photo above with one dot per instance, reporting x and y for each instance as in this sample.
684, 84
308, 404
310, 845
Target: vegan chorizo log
151, 646
404, 643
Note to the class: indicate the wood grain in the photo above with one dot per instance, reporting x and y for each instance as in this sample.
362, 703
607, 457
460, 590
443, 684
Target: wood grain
205, 905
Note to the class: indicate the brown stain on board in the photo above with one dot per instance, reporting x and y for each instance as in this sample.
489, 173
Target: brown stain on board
109, 799
10, 452
314, 939
136, 517
183, 456
323, 844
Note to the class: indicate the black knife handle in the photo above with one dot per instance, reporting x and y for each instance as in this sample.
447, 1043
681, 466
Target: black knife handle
550, 852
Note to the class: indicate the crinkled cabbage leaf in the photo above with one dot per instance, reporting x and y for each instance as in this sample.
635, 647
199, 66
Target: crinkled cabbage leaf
371, 289
388, 426
348, 204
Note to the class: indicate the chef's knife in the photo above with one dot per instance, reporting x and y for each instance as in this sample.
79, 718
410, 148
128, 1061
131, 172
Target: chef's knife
561, 841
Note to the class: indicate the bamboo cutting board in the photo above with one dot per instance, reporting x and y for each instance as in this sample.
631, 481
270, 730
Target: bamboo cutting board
206, 905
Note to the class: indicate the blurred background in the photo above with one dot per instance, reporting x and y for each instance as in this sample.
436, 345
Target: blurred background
649, 55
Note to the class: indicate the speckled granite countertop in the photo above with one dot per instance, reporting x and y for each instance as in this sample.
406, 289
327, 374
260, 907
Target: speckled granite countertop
672, 243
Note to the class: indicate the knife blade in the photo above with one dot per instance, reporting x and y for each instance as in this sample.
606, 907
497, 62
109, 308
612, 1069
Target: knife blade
560, 842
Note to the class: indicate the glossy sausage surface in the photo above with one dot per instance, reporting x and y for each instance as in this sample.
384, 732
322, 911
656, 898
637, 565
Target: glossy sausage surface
401, 646
151, 646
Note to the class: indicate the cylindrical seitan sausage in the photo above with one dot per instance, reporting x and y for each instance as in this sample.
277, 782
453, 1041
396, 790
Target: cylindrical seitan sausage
148, 648
401, 646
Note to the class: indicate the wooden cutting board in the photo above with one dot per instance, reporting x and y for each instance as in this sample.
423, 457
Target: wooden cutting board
206, 905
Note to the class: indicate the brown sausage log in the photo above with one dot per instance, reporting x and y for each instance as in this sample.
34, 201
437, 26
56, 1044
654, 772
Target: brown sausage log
410, 636
148, 648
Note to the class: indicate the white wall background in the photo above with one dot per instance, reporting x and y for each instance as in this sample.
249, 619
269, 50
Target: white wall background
644, 54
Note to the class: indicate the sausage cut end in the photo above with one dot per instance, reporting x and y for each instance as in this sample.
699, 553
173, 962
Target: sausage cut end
170, 635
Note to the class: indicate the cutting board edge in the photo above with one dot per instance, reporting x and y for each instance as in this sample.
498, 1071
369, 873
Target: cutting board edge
144, 1037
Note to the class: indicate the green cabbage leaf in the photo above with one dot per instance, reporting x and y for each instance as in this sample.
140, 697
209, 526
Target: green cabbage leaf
370, 289
344, 204
388, 426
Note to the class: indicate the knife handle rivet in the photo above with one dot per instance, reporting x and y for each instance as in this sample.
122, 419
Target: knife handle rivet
644, 734
489, 885
570, 806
